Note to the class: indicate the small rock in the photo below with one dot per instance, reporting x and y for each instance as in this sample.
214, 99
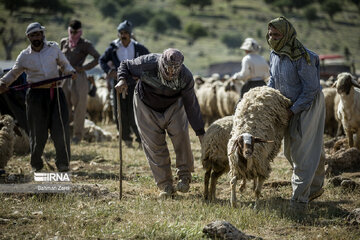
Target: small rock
38, 213
225, 230
354, 217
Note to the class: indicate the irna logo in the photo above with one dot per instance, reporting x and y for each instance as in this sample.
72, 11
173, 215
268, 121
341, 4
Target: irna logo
51, 177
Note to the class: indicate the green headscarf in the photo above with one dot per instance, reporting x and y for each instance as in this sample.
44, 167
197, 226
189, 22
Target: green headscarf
288, 44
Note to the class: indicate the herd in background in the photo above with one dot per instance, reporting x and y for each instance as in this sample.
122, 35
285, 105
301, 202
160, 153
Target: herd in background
260, 115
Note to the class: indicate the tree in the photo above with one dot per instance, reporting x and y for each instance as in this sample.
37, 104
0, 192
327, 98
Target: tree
310, 14
232, 41
110, 8
331, 7
18, 12
195, 31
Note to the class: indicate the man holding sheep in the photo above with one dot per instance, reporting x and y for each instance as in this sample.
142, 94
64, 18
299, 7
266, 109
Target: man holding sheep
294, 71
164, 101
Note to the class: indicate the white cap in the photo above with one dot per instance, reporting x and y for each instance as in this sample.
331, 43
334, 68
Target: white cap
250, 44
34, 27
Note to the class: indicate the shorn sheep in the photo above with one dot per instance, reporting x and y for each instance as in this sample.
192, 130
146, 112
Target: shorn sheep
214, 153
349, 107
259, 125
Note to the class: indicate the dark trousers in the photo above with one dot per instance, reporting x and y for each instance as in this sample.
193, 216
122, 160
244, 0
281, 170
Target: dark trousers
251, 84
127, 114
43, 114
13, 103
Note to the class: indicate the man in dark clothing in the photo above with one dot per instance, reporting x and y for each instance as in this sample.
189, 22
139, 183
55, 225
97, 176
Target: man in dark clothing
121, 49
164, 101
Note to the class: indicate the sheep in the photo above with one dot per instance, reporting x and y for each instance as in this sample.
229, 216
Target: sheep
93, 133
214, 153
349, 106
8, 129
99, 107
331, 124
260, 117
227, 98
206, 96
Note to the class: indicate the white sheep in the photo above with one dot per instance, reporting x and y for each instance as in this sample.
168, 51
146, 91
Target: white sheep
214, 153
8, 129
260, 117
349, 107
206, 96
93, 133
331, 124
99, 107
227, 97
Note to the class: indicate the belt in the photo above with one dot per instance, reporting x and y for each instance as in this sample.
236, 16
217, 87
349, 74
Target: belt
49, 85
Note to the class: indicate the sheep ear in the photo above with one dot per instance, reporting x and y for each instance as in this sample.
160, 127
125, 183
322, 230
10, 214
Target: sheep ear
235, 145
334, 85
260, 140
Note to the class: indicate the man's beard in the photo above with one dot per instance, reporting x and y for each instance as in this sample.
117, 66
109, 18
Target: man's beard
36, 43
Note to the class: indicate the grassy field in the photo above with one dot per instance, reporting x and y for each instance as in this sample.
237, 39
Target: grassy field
245, 17
94, 211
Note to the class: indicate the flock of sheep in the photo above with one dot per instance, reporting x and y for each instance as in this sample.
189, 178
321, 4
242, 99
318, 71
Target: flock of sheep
243, 137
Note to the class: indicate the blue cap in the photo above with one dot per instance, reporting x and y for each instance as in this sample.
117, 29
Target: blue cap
125, 26
34, 27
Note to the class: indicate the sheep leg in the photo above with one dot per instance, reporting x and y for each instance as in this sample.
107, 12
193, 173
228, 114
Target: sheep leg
206, 183
214, 178
350, 137
255, 184
259, 185
357, 143
233, 191
243, 185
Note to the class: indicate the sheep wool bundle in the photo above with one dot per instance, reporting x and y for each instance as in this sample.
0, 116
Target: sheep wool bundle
261, 115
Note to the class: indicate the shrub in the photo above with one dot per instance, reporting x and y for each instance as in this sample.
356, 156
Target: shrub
232, 40
195, 31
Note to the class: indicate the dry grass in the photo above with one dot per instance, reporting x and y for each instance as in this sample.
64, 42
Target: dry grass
95, 211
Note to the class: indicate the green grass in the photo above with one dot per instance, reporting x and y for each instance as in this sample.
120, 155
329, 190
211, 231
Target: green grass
95, 210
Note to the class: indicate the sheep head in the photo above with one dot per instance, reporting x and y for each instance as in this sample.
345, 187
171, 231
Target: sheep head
344, 82
244, 144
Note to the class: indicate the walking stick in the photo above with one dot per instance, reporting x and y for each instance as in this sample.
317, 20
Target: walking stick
120, 135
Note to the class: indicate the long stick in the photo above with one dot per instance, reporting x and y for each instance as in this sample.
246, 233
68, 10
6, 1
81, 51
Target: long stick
36, 84
120, 140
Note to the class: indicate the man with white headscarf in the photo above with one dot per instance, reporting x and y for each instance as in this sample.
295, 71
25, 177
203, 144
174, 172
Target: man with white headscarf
164, 101
254, 68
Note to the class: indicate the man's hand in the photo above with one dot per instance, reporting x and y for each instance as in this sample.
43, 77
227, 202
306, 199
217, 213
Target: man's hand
122, 87
111, 74
73, 75
3, 87
201, 138
79, 69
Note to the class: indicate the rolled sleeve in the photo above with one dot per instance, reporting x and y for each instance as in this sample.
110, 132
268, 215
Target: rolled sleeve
14, 73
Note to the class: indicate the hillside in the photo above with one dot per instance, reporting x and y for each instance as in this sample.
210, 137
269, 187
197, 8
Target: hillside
247, 18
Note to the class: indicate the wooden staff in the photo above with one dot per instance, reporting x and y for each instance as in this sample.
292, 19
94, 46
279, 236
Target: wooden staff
120, 135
